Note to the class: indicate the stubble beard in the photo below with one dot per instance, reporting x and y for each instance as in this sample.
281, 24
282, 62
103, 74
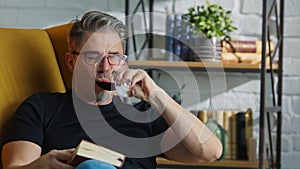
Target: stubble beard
103, 96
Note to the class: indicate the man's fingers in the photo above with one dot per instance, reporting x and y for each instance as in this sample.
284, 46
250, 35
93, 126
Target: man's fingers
62, 155
70, 150
137, 77
138, 92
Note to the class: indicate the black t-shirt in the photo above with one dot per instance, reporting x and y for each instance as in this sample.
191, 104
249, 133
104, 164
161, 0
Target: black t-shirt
50, 120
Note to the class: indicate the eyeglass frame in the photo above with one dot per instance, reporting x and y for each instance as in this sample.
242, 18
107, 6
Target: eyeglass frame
102, 56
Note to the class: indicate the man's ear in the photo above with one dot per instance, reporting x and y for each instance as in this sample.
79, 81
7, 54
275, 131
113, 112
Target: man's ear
70, 61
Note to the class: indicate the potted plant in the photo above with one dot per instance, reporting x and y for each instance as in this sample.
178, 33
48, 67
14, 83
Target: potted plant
209, 23
211, 19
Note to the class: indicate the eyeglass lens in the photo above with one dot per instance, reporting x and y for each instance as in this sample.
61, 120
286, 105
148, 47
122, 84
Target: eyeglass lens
113, 59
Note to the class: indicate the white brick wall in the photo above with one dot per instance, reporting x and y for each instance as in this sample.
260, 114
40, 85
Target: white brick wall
243, 89
47, 13
290, 160
291, 8
296, 140
295, 106
23, 4
291, 85
287, 144
292, 47
291, 66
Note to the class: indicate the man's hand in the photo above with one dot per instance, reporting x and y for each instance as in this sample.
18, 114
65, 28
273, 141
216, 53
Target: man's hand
142, 86
55, 159
26, 155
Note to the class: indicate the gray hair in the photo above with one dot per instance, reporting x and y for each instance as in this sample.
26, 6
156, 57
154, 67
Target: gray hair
93, 21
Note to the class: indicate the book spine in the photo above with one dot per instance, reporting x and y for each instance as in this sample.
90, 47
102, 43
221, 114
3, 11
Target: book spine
219, 117
226, 124
177, 38
245, 46
169, 36
252, 58
252, 149
233, 135
202, 115
185, 38
248, 130
240, 136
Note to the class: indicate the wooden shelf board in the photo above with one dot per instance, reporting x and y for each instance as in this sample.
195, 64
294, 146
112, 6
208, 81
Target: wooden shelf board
222, 163
195, 65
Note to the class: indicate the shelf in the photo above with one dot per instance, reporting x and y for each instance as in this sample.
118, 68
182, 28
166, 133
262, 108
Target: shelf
223, 163
216, 66
267, 13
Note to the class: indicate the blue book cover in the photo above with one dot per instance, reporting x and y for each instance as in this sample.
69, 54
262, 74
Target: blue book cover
177, 37
185, 39
169, 36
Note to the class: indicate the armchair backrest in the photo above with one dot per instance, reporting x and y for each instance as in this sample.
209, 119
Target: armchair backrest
31, 60
58, 36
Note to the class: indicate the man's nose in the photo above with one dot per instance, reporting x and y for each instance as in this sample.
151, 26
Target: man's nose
104, 65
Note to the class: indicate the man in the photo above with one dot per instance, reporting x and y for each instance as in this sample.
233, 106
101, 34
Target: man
47, 127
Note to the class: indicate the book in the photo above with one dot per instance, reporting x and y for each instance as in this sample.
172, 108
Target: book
251, 58
245, 46
177, 37
202, 115
229, 58
241, 136
249, 132
227, 125
252, 149
170, 36
185, 40
87, 150
233, 136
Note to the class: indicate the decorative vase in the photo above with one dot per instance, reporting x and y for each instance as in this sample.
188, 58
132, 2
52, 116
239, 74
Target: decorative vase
219, 131
205, 49
216, 49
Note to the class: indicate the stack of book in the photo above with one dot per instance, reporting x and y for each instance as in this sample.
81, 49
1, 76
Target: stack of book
239, 132
242, 51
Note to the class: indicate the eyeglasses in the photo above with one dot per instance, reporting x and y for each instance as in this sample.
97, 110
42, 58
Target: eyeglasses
92, 57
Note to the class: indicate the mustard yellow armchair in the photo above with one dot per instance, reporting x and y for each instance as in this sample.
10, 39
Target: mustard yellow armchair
31, 60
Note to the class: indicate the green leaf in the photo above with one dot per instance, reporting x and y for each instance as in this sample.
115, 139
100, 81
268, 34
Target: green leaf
212, 19
196, 17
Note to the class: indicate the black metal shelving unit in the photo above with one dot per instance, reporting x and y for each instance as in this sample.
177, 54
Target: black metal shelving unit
274, 9
140, 5
274, 162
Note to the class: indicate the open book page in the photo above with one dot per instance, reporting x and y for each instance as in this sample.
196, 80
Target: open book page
87, 150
